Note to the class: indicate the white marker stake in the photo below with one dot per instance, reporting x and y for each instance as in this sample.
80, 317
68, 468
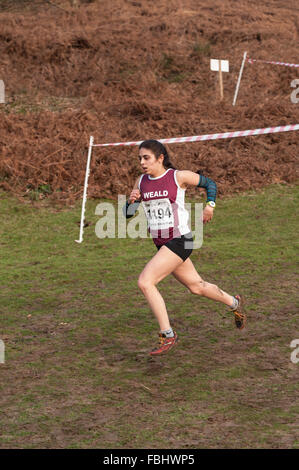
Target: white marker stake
220, 66
239, 79
2, 92
85, 190
2, 352
220, 82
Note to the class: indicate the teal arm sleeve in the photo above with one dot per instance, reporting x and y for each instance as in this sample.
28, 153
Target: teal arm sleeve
209, 185
130, 209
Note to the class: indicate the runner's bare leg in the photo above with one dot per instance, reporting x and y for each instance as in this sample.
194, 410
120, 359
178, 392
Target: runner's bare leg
189, 277
160, 266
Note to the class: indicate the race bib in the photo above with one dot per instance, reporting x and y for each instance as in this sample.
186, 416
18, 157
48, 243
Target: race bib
159, 214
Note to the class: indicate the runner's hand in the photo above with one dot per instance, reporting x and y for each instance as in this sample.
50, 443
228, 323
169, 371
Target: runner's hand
207, 214
135, 195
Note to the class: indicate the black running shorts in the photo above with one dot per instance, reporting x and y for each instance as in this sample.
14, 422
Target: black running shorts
181, 246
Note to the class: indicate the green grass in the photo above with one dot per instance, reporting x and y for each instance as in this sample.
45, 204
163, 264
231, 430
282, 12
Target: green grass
201, 49
77, 332
28, 102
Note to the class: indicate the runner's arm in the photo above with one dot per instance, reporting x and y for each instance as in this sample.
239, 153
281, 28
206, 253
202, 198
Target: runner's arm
209, 185
135, 193
189, 178
133, 202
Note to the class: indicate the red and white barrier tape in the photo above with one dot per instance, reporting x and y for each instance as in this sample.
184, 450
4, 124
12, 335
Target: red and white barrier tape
225, 135
271, 62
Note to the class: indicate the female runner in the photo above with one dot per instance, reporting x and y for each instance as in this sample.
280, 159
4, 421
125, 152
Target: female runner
162, 189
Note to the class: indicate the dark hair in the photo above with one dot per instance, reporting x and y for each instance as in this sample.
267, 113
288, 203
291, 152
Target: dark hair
158, 149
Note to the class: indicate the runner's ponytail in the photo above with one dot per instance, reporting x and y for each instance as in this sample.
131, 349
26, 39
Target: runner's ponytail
158, 149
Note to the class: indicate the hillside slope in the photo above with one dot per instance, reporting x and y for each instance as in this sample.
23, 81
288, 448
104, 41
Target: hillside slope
131, 70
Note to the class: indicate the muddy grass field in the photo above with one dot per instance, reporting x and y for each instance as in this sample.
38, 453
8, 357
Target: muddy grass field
77, 333
76, 329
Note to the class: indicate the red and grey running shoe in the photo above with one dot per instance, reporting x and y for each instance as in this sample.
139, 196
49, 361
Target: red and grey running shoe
165, 344
240, 316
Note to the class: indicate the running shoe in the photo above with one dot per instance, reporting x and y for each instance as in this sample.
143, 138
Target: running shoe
240, 317
165, 344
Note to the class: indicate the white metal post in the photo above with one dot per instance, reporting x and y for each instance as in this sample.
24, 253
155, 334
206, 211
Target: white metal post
2, 352
220, 81
2, 92
85, 190
239, 79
